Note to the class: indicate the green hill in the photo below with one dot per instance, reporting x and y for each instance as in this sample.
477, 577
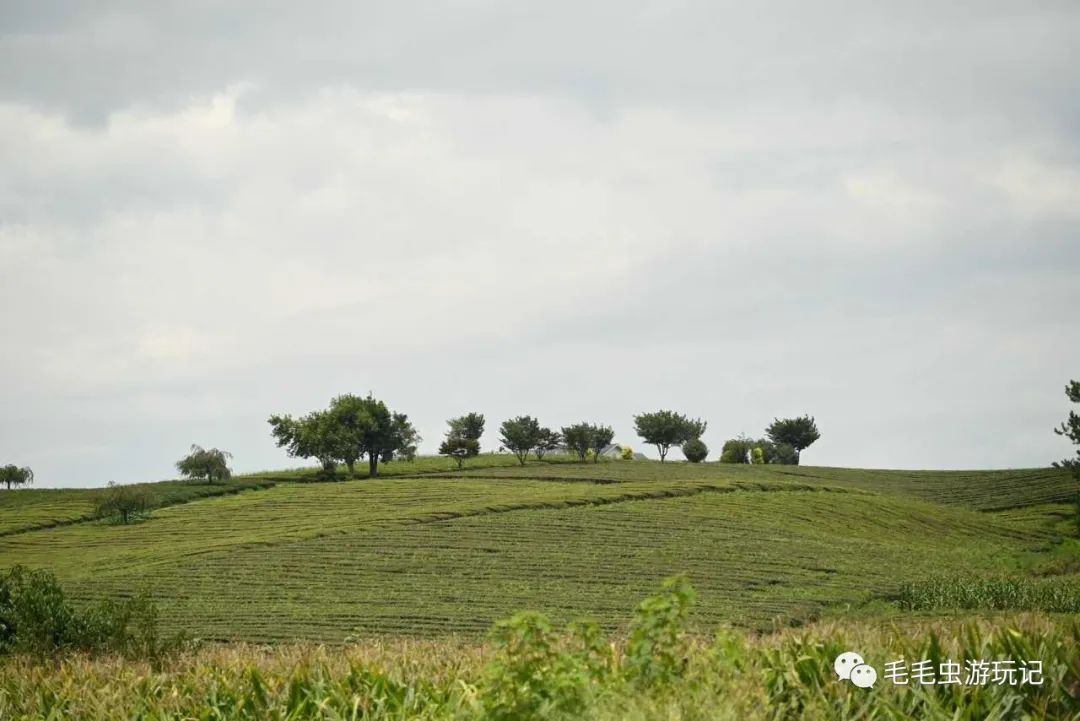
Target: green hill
276, 557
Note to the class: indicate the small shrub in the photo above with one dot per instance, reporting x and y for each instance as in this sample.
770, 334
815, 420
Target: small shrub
695, 450
757, 456
626, 453
533, 676
785, 455
736, 450
124, 502
656, 652
37, 619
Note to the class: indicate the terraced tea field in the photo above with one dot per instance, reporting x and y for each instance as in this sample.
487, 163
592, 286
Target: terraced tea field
28, 509
449, 553
984, 490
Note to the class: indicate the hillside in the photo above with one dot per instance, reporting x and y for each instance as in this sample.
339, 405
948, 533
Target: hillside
449, 552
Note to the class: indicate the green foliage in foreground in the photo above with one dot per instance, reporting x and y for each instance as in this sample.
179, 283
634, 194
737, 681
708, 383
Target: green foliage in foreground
532, 671
36, 618
1036, 594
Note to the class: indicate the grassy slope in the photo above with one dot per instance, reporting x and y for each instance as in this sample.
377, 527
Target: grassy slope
439, 554
983, 490
28, 509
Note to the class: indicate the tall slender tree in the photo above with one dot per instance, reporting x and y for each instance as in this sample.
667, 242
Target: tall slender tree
1070, 428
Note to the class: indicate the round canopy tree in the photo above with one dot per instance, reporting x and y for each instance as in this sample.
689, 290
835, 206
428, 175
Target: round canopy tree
799, 433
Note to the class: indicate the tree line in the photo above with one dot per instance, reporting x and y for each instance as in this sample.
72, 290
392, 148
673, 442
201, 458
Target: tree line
352, 428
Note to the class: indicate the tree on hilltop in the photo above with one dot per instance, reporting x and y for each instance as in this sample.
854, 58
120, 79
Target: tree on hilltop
799, 433
470, 425
402, 441
665, 429
463, 437
123, 501
209, 463
1070, 428
313, 435
547, 440
519, 436
578, 438
736, 450
600, 439
12, 475
350, 429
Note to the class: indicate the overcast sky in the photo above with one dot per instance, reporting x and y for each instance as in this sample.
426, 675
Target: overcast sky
214, 211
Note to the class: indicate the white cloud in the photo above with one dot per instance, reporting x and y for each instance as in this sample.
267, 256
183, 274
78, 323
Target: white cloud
647, 217
1037, 188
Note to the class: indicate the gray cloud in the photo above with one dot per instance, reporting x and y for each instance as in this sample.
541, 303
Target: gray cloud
209, 213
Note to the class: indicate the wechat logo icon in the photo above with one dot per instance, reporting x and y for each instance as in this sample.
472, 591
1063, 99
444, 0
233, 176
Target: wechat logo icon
850, 666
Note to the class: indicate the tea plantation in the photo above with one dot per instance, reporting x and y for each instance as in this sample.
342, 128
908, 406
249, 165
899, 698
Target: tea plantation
426, 550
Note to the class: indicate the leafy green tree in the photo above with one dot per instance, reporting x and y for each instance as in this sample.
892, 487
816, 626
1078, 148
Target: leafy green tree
1070, 428
124, 501
470, 425
784, 454
799, 433
208, 463
459, 448
695, 450
12, 475
665, 429
352, 428
736, 450
404, 440
344, 429
757, 455
463, 437
519, 436
578, 438
311, 436
768, 450
600, 439
388, 434
548, 440
657, 647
